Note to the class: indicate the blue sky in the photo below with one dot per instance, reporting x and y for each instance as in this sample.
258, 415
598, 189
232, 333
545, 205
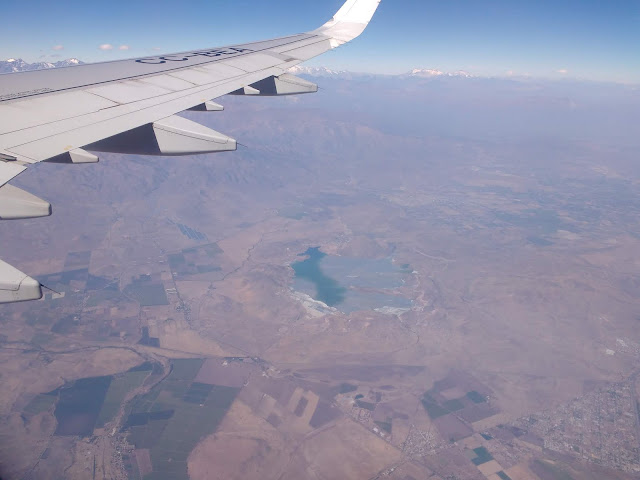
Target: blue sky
589, 39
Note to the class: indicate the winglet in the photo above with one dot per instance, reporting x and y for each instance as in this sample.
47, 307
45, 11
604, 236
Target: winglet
349, 22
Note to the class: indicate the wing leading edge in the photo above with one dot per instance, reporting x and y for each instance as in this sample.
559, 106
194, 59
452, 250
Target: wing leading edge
130, 106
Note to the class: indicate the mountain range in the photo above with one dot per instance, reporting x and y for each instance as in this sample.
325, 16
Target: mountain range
431, 73
13, 65
416, 72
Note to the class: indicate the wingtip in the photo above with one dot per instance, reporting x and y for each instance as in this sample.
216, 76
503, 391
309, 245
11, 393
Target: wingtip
350, 21
357, 11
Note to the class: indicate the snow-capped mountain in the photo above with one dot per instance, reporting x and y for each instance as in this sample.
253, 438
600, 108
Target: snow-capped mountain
315, 71
415, 73
18, 65
432, 73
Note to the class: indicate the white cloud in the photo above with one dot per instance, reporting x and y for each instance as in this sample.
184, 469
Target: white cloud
124, 47
106, 46
57, 47
563, 71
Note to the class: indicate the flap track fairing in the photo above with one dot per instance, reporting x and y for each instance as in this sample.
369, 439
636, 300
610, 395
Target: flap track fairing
17, 204
16, 286
207, 107
285, 84
171, 136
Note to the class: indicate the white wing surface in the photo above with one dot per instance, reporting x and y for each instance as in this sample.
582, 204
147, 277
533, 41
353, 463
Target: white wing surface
130, 106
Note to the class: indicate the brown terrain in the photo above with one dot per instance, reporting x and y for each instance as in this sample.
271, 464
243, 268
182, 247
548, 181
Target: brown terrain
518, 356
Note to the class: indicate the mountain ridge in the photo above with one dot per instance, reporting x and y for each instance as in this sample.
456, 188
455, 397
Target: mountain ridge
14, 65
415, 72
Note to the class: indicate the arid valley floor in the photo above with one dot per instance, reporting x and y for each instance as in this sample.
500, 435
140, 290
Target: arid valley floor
175, 346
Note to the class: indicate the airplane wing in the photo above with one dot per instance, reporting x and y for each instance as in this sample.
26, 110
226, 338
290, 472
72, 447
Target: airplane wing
65, 115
